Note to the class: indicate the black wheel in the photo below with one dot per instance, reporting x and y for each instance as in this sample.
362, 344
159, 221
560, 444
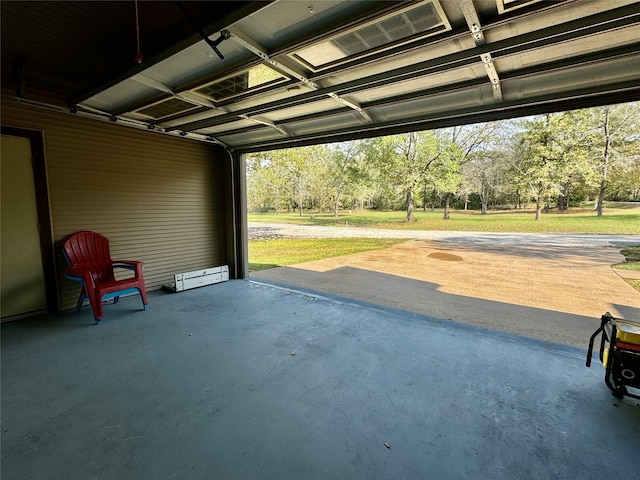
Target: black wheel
618, 394
618, 390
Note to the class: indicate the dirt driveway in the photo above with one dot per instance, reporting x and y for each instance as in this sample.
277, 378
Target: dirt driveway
552, 292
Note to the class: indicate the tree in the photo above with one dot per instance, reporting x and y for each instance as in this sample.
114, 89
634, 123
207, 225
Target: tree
556, 157
552, 153
342, 161
401, 162
268, 184
284, 178
536, 160
619, 127
456, 146
483, 174
624, 179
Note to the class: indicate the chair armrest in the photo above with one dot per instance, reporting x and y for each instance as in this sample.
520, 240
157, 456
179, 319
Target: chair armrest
129, 265
75, 271
132, 263
81, 273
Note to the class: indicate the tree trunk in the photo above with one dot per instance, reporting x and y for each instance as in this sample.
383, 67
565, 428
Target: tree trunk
605, 162
300, 201
484, 200
410, 204
446, 207
538, 208
424, 199
484, 195
603, 187
563, 199
336, 205
562, 202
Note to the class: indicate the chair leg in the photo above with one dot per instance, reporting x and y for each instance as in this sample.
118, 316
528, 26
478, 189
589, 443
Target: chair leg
80, 302
143, 296
96, 307
83, 295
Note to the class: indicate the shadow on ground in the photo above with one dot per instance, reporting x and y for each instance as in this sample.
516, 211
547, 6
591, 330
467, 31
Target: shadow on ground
551, 293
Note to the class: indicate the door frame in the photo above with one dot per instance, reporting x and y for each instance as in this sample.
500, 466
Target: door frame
42, 206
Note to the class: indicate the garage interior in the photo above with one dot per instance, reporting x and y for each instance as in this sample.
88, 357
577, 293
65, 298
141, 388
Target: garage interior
137, 115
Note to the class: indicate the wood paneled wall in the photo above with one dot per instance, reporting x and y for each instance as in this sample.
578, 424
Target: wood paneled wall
158, 199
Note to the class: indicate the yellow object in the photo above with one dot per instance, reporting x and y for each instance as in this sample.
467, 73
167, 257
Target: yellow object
628, 332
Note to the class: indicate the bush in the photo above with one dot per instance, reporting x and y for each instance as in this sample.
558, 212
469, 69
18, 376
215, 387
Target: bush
631, 254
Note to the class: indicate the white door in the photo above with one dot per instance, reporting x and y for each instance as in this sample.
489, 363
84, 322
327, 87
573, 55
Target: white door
22, 281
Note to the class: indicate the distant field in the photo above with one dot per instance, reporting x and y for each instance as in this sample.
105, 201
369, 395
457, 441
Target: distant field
623, 220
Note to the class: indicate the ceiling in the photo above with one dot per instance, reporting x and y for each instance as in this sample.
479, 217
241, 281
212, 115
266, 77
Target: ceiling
288, 73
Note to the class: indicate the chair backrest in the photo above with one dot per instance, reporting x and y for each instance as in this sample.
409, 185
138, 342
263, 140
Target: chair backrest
90, 250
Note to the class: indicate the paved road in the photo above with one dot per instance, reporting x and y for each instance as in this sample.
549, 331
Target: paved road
259, 230
551, 287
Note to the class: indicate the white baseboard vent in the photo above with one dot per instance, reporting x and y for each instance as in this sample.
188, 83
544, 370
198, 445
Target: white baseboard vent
198, 278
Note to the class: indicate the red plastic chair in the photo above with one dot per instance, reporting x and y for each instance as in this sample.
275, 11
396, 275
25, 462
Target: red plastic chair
90, 264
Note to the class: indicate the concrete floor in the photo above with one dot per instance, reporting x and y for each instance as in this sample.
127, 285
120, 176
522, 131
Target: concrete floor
250, 381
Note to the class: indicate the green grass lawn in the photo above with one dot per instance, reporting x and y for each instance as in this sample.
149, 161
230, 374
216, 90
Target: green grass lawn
265, 254
615, 221
634, 266
632, 262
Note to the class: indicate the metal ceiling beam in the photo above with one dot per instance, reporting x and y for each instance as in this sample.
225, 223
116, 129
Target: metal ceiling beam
464, 85
453, 35
493, 75
502, 48
192, 39
473, 21
311, 82
352, 105
585, 59
194, 98
581, 98
245, 41
192, 85
620, 52
301, 100
189, 97
283, 123
96, 114
248, 43
256, 48
184, 91
266, 123
161, 87
382, 9
586, 26
161, 121
150, 82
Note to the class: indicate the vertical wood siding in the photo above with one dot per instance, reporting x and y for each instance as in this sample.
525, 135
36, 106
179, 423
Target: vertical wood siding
158, 199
